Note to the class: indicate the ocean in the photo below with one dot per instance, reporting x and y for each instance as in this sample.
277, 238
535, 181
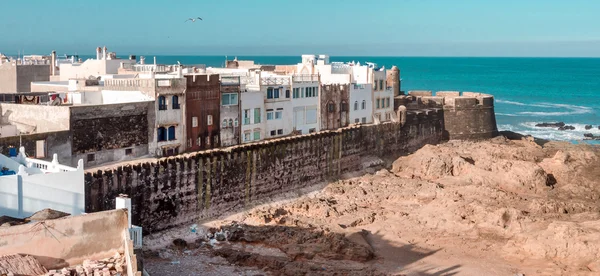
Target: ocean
527, 90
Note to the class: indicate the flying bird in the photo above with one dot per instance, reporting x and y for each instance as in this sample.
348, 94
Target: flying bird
193, 19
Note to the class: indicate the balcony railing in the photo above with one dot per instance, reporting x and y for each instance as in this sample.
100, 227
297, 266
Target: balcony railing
305, 78
46, 166
135, 232
270, 80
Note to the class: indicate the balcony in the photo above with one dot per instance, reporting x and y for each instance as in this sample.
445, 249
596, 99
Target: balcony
273, 80
305, 78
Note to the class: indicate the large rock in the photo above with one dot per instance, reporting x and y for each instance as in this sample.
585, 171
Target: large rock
567, 127
559, 124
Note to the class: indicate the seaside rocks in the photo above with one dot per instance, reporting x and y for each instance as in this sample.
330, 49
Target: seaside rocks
567, 127
590, 136
559, 124
588, 127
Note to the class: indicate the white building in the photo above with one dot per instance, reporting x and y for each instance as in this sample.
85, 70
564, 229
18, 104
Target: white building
28, 185
305, 103
383, 97
361, 103
105, 64
253, 119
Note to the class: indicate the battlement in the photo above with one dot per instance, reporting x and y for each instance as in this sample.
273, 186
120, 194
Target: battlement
417, 99
202, 79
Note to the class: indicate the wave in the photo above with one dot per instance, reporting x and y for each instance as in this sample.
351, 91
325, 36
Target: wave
551, 133
509, 102
573, 110
504, 114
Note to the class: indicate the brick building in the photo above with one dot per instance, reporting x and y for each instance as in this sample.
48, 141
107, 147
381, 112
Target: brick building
334, 99
202, 113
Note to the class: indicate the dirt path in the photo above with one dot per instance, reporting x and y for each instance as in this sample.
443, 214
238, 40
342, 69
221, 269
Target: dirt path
462, 208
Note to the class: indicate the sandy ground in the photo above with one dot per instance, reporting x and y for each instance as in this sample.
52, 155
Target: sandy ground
497, 207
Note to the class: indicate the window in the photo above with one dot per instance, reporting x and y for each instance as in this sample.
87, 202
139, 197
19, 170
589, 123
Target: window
231, 123
128, 151
278, 113
246, 116
356, 105
269, 114
207, 139
247, 136
296, 93
378, 103
91, 157
236, 122
209, 120
175, 102
381, 85
312, 130
387, 102
343, 106
375, 86
364, 105
189, 143
224, 125
199, 141
364, 120
316, 91
256, 135
40, 148
171, 133
331, 107
302, 92
229, 99
270, 93
194, 121
273, 132
387, 116
161, 134
276, 93
287, 93
280, 132
257, 115
357, 120
162, 103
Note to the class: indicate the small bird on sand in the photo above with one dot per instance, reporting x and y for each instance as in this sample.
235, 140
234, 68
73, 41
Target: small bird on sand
193, 19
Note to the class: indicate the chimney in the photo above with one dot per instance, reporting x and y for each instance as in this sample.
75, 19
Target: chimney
179, 71
155, 61
98, 53
53, 64
142, 60
104, 53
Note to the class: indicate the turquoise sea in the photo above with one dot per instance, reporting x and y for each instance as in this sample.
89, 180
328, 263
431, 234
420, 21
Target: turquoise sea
527, 90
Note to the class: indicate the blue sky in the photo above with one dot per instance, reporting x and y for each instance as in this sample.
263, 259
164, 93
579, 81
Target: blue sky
286, 27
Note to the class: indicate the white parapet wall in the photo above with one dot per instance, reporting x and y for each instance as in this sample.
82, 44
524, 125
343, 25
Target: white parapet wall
38, 185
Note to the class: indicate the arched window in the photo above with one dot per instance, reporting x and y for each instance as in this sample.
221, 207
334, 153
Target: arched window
364, 104
175, 102
224, 125
172, 133
356, 105
161, 134
343, 106
231, 122
331, 107
236, 122
162, 103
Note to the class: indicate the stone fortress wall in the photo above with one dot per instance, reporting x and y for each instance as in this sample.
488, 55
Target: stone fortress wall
469, 115
184, 189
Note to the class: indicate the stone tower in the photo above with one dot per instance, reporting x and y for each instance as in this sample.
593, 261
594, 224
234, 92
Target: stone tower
395, 78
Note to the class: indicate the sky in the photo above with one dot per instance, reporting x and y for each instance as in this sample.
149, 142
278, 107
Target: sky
565, 28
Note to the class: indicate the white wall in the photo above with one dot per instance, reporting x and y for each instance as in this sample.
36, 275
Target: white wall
251, 100
42, 118
113, 97
306, 108
285, 122
91, 67
23, 195
360, 93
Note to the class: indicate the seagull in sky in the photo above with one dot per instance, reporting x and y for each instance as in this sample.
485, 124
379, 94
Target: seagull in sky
193, 19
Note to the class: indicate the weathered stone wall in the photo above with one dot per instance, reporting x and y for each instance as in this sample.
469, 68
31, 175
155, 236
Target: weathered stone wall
29, 73
180, 190
467, 115
108, 131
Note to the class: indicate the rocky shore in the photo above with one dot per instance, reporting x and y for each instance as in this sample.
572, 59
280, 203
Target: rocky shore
506, 206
